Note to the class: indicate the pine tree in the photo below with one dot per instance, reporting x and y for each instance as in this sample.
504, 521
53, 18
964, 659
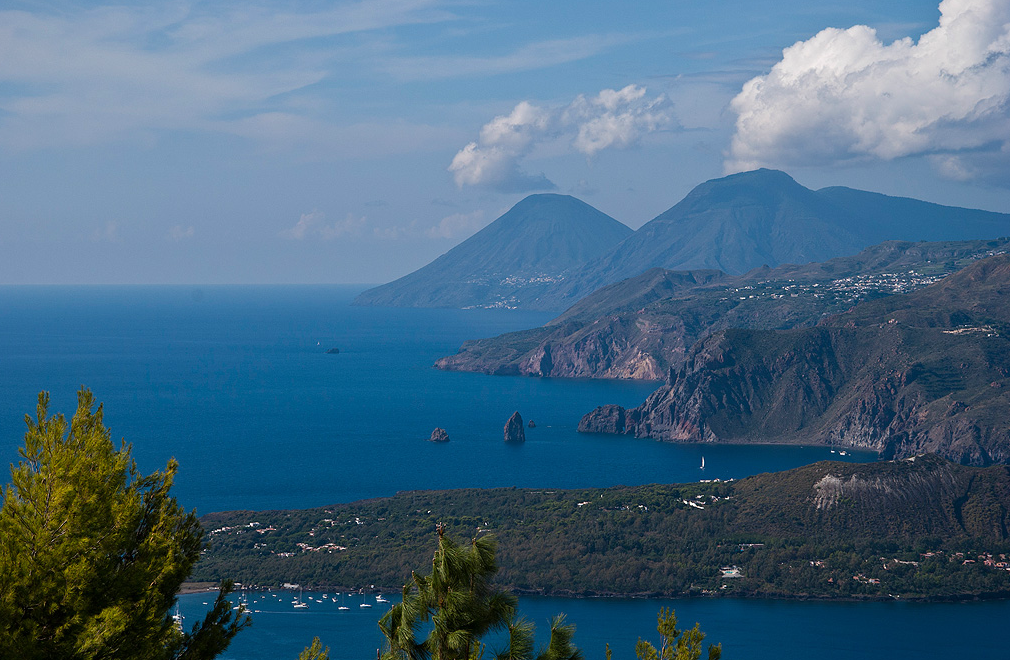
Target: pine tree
92, 553
675, 644
315, 652
461, 605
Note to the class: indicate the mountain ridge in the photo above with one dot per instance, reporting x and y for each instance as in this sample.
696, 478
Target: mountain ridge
643, 326
733, 224
925, 371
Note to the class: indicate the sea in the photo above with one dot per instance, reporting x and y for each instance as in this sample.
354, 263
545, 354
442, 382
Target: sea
237, 384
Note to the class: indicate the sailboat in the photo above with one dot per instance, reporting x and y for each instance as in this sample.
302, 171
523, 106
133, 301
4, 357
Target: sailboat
299, 603
702, 463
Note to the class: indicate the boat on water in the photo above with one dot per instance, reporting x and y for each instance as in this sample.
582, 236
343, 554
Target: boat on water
298, 603
380, 599
702, 463
177, 619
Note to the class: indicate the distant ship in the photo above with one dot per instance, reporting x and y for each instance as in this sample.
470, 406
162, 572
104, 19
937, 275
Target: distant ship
702, 463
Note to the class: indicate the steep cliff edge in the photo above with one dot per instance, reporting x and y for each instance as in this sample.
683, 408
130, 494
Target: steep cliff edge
924, 371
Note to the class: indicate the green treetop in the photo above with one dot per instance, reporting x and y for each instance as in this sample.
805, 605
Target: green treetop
460, 605
92, 553
674, 644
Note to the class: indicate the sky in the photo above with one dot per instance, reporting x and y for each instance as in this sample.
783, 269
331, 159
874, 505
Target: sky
246, 142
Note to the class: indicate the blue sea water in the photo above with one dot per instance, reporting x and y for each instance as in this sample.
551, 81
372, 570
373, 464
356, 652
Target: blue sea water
747, 629
235, 383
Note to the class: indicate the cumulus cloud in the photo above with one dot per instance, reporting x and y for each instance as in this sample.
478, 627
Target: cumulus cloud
314, 225
611, 119
844, 95
457, 225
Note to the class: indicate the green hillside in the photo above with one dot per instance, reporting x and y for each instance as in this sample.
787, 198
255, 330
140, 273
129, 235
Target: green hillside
824, 530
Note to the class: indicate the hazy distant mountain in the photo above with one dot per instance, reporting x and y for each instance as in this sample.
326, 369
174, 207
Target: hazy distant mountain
748, 220
548, 252
927, 371
536, 244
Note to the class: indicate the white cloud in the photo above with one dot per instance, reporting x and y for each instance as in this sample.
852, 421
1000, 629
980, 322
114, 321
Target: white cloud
87, 76
307, 222
611, 119
457, 225
313, 225
179, 233
844, 95
349, 226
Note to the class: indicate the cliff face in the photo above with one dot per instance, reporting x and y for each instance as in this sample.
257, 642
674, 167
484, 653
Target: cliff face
932, 495
642, 327
926, 371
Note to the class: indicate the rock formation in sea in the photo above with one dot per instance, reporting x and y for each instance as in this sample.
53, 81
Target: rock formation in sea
514, 429
439, 435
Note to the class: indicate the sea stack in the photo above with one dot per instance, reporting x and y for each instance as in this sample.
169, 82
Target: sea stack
514, 429
439, 435
532, 424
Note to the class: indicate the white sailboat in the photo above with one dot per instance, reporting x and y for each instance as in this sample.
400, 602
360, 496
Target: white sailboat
299, 604
702, 463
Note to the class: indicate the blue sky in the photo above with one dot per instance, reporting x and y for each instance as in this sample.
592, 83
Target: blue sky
276, 142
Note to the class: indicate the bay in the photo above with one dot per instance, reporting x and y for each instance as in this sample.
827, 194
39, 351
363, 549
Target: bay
235, 383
